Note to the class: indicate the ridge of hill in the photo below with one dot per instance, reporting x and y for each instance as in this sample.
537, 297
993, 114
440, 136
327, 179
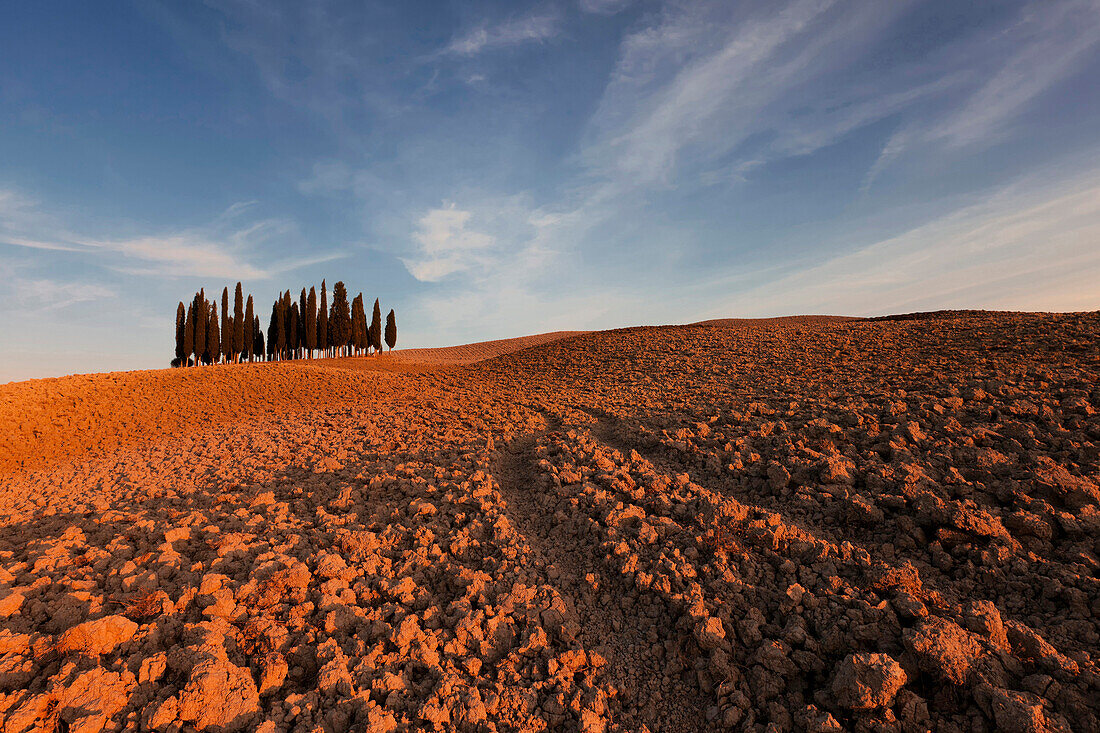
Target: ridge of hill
775, 320
479, 351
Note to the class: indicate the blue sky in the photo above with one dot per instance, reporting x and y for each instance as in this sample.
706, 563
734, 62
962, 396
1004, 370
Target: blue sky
492, 169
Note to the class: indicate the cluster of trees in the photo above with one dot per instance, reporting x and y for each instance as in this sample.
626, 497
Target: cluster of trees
298, 329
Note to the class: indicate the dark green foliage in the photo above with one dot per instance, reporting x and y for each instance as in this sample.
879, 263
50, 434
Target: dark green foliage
226, 331
302, 305
311, 321
258, 342
201, 315
288, 347
181, 325
189, 335
213, 342
273, 331
358, 337
376, 327
288, 314
298, 327
391, 330
280, 331
237, 345
322, 320
340, 320
197, 327
248, 332
364, 326
292, 331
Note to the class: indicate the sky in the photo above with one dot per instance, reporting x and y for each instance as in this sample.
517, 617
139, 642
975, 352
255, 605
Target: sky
495, 169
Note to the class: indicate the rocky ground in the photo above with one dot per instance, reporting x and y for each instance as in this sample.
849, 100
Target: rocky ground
818, 526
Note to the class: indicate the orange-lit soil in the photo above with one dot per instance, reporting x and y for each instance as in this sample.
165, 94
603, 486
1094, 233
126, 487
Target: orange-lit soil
794, 525
471, 353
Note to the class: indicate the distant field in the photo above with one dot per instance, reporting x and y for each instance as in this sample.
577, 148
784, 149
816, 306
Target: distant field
58, 419
471, 353
778, 320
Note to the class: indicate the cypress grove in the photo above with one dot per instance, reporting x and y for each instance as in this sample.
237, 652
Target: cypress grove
298, 328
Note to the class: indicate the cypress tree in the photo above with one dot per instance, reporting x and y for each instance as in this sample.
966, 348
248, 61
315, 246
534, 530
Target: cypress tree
181, 324
238, 323
353, 329
189, 335
331, 343
391, 330
280, 331
213, 342
258, 340
302, 323
280, 343
226, 345
340, 323
376, 327
288, 311
366, 334
366, 328
292, 332
290, 308
311, 321
356, 331
272, 331
200, 327
248, 331
322, 322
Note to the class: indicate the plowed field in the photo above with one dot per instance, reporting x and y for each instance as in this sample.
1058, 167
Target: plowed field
792, 525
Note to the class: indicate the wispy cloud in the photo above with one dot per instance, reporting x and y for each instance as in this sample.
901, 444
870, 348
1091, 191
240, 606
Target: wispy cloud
42, 295
229, 247
84, 289
1030, 245
604, 7
686, 86
188, 254
446, 246
708, 83
490, 267
1009, 69
327, 177
1049, 43
513, 32
702, 94
489, 241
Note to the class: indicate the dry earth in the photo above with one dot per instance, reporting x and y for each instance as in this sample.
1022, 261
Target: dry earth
775, 321
472, 353
48, 421
820, 526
